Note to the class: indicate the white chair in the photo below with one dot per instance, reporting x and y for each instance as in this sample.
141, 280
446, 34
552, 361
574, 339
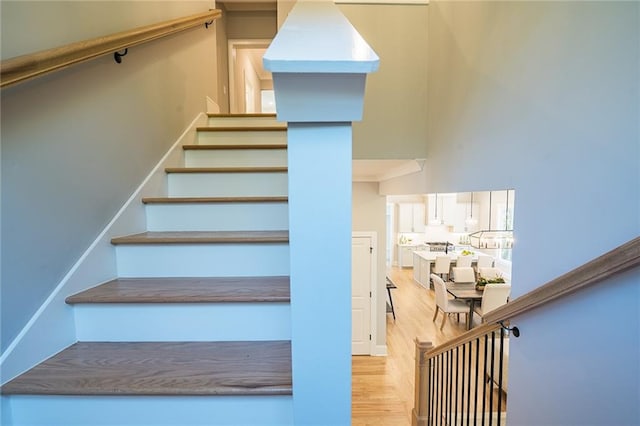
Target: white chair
463, 274
446, 305
494, 296
442, 265
485, 261
464, 261
489, 273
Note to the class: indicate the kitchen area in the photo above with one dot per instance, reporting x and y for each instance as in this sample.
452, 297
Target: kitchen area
471, 223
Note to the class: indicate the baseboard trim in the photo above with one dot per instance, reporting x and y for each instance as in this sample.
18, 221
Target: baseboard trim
380, 350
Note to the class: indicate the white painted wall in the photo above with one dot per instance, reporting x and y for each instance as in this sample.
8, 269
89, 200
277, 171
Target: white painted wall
369, 214
259, 24
543, 97
393, 124
76, 144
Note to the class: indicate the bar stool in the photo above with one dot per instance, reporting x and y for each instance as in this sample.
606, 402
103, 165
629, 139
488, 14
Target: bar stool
390, 308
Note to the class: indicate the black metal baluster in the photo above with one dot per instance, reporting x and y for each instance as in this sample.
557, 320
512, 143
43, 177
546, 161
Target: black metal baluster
441, 388
450, 385
445, 417
448, 389
431, 369
439, 394
484, 378
464, 375
469, 385
436, 394
457, 387
475, 398
500, 367
445, 376
493, 349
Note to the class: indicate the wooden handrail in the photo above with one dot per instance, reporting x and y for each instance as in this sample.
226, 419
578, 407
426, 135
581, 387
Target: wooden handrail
462, 339
618, 260
32, 65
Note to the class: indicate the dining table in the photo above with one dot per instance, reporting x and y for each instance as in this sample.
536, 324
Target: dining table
468, 293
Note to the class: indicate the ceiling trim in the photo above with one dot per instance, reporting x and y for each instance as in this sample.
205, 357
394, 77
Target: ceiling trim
381, 170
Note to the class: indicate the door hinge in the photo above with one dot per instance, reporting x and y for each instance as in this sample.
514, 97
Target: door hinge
370, 295
370, 250
369, 337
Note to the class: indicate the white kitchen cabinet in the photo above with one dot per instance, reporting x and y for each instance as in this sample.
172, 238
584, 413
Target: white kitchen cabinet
411, 217
416, 267
425, 272
405, 255
421, 270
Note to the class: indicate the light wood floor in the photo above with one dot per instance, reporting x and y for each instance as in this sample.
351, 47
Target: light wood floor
382, 387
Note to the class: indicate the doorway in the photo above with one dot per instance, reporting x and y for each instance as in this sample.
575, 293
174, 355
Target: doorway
247, 77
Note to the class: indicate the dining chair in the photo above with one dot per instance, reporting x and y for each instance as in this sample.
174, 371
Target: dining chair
494, 296
464, 261
444, 303
484, 261
489, 273
442, 265
463, 274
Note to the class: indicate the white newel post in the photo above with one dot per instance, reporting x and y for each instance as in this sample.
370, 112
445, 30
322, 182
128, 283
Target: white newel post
319, 64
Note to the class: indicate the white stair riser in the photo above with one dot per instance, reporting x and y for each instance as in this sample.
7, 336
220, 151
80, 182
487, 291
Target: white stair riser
56, 410
218, 217
227, 184
236, 158
244, 122
202, 260
176, 322
242, 138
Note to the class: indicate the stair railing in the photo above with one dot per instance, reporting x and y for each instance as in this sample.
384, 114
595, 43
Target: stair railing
463, 380
25, 67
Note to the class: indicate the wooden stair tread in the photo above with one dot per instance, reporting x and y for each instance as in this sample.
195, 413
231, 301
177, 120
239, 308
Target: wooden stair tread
205, 147
212, 200
282, 128
187, 290
250, 169
161, 368
204, 237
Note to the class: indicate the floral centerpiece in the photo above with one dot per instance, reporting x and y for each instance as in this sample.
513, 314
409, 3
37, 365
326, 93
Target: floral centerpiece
482, 282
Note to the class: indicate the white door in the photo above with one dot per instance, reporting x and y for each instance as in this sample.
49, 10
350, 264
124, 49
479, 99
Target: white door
361, 277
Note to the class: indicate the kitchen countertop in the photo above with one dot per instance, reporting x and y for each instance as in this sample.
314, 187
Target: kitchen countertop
431, 255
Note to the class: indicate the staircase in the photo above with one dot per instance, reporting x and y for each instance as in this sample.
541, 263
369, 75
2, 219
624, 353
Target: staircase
196, 328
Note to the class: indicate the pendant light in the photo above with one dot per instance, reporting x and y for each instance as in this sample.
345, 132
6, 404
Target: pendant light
506, 213
470, 221
435, 220
492, 238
